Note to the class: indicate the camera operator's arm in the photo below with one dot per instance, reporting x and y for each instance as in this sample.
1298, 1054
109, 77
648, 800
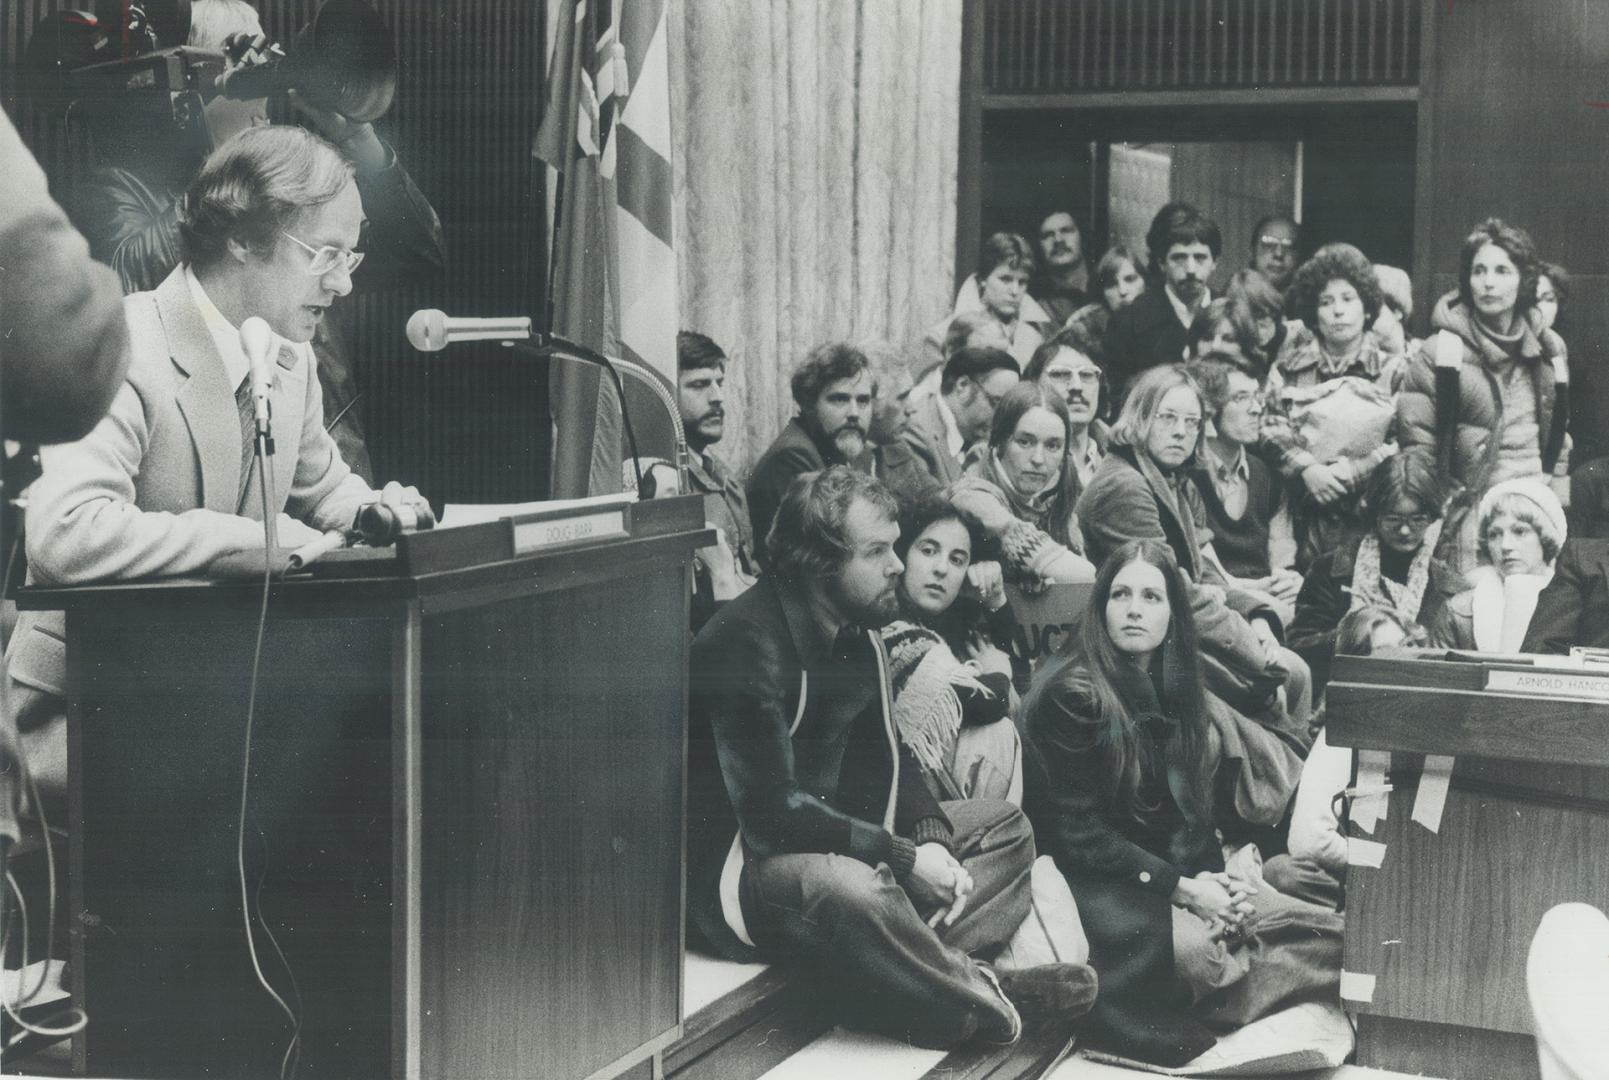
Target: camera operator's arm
62, 334
404, 238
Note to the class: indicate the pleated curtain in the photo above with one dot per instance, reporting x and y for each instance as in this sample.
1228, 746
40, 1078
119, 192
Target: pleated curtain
815, 171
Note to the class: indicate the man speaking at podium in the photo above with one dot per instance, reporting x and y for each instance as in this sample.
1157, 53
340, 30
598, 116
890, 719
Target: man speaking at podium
167, 482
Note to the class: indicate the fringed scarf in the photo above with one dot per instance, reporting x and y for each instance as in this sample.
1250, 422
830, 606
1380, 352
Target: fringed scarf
925, 675
1370, 586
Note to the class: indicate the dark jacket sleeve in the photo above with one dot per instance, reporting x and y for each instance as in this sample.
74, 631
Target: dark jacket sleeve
1320, 606
1063, 785
1556, 622
769, 482
917, 813
985, 706
404, 236
63, 336
739, 686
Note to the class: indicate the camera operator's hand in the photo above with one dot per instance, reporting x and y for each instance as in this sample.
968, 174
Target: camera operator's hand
355, 139
226, 114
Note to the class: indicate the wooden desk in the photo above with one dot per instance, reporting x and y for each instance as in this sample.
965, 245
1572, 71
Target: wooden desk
466, 808
1445, 922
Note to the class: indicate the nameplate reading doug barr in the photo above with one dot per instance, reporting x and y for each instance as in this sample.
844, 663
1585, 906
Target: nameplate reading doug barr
532, 535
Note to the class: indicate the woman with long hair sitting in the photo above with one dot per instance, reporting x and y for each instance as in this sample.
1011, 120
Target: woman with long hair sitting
1142, 491
1124, 766
1021, 491
952, 685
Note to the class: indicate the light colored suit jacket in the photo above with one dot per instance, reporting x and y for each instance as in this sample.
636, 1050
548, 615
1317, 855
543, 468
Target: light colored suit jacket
152, 490
926, 432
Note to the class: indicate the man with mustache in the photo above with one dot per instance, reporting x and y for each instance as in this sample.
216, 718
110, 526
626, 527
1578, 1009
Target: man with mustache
1184, 244
833, 390
1063, 285
1068, 363
727, 567
813, 839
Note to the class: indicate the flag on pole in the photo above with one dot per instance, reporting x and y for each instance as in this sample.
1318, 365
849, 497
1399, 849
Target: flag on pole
606, 131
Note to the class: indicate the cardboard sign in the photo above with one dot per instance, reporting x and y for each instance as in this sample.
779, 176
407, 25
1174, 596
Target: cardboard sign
1042, 622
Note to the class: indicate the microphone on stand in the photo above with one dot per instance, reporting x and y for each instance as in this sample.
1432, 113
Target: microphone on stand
431, 330
257, 341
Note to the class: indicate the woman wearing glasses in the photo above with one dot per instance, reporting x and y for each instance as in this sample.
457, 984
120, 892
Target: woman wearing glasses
1142, 491
1392, 565
1331, 398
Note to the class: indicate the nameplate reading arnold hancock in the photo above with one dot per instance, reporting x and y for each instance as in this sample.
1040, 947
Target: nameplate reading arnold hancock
532, 535
1551, 683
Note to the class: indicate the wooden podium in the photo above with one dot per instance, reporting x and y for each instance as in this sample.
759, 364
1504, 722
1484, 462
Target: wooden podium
465, 814
1437, 933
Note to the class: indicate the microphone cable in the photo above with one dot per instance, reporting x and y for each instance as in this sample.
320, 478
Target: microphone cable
293, 1050
69, 1021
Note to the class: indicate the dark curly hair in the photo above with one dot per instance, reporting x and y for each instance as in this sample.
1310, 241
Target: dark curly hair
1521, 250
826, 365
1329, 263
1180, 223
925, 508
809, 537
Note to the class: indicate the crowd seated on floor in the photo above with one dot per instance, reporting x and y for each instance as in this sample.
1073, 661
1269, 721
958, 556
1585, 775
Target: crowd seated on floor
1222, 492
1240, 487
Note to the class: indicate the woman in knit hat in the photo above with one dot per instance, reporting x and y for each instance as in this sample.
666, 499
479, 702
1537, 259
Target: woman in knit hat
1522, 527
952, 706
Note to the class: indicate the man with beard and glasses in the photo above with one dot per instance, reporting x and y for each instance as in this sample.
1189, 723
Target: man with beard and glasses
1063, 284
833, 390
727, 567
813, 839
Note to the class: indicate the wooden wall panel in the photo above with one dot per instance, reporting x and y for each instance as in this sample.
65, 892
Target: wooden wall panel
470, 423
1063, 46
1513, 132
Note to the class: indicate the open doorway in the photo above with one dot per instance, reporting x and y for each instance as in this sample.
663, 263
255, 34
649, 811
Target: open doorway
1345, 172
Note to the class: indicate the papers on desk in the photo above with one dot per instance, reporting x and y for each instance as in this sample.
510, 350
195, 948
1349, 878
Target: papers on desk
455, 514
549, 523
